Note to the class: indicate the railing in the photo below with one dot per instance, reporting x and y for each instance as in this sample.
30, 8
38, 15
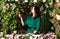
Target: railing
14, 35
19, 36
49, 35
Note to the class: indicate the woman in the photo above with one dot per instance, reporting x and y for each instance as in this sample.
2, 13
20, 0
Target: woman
32, 21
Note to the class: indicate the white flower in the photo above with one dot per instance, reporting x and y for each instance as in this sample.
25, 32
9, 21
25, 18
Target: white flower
4, 7
16, 0
58, 17
8, 0
10, 4
1, 38
44, 0
1, 33
26, 0
0, 18
15, 32
6, 35
35, 1
57, 0
31, 37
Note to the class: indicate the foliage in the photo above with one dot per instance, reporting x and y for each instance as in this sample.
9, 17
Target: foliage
58, 35
9, 10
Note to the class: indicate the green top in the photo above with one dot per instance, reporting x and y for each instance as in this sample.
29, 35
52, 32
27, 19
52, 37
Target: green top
33, 23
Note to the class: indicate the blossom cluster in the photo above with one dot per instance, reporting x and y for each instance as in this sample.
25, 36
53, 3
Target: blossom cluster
50, 35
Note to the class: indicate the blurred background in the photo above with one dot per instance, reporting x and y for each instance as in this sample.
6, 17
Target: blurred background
49, 10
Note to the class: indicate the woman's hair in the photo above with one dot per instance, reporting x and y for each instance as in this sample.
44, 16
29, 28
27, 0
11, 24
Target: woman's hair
37, 10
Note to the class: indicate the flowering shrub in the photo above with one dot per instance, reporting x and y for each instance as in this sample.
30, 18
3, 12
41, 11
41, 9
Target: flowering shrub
50, 35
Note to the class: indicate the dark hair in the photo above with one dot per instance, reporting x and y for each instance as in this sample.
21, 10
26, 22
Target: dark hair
37, 10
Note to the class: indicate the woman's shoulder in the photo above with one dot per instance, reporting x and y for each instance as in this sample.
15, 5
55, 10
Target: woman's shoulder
28, 16
38, 18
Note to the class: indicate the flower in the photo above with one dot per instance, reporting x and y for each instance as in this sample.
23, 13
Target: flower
15, 32
16, 0
0, 18
50, 35
1, 38
1, 33
7, 5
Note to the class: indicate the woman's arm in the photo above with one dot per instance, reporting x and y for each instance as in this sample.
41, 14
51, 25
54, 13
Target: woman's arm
22, 22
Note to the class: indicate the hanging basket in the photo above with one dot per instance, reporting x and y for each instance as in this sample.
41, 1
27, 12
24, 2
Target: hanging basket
58, 16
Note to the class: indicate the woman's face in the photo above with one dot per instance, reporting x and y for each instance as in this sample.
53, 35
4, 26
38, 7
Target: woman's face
32, 10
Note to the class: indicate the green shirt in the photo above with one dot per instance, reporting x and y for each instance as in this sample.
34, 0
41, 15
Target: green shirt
32, 22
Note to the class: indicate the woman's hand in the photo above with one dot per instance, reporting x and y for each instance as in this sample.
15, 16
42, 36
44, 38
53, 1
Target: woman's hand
19, 15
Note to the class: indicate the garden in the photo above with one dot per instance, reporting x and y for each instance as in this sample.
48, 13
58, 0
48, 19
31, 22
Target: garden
10, 21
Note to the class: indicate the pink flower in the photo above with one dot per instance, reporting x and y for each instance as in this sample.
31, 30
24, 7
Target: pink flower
7, 5
45, 36
16, 37
50, 36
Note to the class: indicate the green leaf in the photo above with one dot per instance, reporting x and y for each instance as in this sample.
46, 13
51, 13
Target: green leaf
4, 9
13, 6
3, 0
0, 7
